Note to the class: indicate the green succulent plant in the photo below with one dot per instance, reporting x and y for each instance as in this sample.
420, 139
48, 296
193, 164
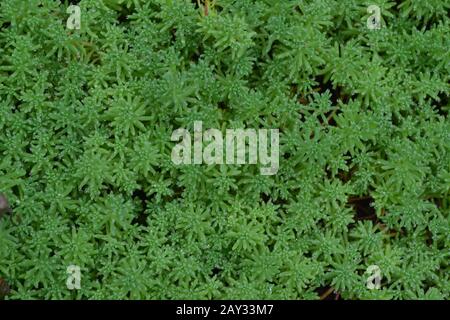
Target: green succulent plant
85, 151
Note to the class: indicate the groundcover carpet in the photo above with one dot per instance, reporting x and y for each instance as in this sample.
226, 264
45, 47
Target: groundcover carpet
227, 149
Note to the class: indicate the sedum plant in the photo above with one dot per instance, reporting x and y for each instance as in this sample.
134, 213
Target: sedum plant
86, 176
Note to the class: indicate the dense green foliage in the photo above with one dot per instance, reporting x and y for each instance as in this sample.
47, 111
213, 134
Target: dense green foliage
85, 123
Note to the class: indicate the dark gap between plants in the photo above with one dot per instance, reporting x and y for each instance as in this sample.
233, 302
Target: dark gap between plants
363, 208
4, 289
141, 218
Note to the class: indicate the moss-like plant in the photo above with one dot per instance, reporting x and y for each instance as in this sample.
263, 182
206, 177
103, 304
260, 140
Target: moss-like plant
86, 176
